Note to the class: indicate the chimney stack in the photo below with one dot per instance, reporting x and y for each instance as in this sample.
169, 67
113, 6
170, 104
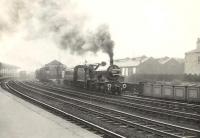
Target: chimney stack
111, 61
198, 43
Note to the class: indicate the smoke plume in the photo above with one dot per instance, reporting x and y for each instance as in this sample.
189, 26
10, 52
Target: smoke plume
102, 41
77, 43
58, 21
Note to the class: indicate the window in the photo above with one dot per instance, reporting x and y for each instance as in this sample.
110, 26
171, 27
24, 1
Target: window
126, 72
198, 59
123, 71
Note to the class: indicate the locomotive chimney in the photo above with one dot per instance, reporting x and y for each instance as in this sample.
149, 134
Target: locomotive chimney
111, 61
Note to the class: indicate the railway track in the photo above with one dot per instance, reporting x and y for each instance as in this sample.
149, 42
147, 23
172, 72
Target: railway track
81, 122
172, 116
171, 105
141, 126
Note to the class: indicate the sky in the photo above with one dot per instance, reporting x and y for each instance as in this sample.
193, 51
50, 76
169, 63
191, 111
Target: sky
33, 33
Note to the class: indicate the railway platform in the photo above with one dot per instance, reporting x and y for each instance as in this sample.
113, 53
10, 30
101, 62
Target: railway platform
20, 119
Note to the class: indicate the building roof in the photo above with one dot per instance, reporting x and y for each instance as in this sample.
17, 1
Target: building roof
122, 59
193, 51
180, 60
54, 62
131, 62
134, 62
4, 65
165, 60
197, 50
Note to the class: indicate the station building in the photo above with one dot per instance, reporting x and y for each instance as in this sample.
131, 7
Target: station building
8, 70
192, 60
55, 69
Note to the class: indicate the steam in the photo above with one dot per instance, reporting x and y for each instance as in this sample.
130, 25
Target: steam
7, 22
57, 21
77, 43
102, 41
73, 41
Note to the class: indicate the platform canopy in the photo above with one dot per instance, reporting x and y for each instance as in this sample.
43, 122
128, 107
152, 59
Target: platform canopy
8, 66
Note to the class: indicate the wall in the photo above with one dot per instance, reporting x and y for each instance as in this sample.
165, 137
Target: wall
151, 66
191, 63
55, 71
154, 77
172, 67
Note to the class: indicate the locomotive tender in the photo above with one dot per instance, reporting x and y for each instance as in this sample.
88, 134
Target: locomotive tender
89, 77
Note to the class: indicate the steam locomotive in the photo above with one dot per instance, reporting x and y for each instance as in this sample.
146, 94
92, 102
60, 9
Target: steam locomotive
88, 76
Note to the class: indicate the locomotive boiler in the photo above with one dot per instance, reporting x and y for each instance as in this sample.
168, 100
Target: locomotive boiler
90, 77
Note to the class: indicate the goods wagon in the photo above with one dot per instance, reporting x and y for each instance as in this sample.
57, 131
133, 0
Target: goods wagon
186, 93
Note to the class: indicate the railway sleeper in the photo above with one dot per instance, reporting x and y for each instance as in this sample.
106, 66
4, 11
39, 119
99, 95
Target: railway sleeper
143, 134
123, 126
62, 112
126, 125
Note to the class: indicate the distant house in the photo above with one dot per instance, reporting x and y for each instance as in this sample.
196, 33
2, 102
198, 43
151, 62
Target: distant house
171, 66
8, 70
150, 65
192, 60
55, 69
138, 65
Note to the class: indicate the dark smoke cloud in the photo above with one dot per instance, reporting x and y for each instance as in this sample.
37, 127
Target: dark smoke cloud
3, 26
73, 41
67, 30
12, 13
59, 21
100, 40
16, 10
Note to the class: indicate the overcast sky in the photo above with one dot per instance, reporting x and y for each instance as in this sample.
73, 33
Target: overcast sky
31, 31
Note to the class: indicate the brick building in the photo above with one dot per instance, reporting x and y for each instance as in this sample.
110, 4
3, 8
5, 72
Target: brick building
150, 66
8, 70
55, 69
171, 66
138, 65
192, 60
